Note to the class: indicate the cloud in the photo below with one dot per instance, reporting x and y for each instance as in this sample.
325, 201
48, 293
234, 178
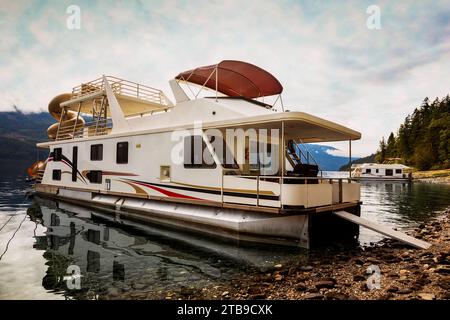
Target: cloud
329, 63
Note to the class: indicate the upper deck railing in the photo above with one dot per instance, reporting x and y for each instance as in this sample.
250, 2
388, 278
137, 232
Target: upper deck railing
121, 87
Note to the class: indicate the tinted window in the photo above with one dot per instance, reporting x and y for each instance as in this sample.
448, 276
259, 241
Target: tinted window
122, 152
194, 147
96, 152
95, 176
56, 175
398, 170
57, 154
368, 170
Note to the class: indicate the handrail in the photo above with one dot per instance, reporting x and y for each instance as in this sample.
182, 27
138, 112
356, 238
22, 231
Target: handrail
281, 179
124, 88
89, 129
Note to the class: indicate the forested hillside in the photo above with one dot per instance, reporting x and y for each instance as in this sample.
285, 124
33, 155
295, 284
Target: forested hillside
423, 140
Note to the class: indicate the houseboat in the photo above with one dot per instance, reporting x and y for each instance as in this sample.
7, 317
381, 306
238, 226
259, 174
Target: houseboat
223, 159
381, 172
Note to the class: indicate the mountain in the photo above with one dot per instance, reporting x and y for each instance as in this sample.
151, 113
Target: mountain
19, 133
325, 160
368, 159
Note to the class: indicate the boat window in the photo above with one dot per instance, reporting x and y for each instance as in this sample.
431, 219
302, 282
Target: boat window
368, 170
94, 176
377, 170
122, 152
196, 154
389, 172
225, 157
56, 175
398, 170
57, 154
96, 152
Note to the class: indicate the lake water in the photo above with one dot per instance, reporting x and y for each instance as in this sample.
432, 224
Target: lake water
41, 239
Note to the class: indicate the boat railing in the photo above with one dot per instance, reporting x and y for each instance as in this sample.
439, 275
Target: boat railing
97, 127
120, 87
280, 180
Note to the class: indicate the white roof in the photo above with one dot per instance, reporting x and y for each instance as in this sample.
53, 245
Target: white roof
380, 166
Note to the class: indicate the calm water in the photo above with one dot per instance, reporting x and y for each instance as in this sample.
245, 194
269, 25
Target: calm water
40, 239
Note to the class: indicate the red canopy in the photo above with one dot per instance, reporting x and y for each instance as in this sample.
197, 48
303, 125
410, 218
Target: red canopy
235, 79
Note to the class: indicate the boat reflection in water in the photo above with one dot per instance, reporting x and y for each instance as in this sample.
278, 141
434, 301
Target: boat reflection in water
129, 259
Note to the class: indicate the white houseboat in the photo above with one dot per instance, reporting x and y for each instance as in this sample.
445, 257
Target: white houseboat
381, 172
226, 163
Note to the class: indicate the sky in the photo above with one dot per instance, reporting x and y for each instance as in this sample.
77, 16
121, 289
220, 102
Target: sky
330, 63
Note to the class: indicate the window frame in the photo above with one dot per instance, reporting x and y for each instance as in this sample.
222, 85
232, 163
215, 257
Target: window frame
122, 161
58, 176
99, 176
192, 164
57, 154
97, 156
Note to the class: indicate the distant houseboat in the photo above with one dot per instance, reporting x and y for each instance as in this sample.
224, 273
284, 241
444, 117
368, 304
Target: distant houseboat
377, 171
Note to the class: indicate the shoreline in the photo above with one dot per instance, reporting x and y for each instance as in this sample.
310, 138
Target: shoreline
341, 274
432, 176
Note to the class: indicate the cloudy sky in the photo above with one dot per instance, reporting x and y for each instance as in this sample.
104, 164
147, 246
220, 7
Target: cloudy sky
329, 62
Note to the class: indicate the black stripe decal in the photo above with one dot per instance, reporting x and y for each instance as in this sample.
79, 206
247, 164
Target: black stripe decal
217, 192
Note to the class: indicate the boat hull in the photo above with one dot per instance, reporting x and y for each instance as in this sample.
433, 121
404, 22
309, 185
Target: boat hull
287, 229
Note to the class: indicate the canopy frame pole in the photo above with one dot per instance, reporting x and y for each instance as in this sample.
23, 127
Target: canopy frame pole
204, 83
217, 78
283, 163
282, 105
350, 158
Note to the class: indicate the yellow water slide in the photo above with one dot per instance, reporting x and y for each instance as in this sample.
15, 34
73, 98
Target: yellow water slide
69, 118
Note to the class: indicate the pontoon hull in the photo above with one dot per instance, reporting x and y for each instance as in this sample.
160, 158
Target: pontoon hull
236, 224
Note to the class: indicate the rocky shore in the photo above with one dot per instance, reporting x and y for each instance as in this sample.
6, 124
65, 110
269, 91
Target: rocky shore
340, 274
433, 176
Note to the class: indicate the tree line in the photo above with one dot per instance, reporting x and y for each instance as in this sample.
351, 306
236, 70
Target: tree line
423, 139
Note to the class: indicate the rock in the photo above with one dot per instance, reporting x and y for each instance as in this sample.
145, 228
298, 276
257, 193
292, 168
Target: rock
313, 296
328, 284
336, 296
405, 291
306, 268
387, 296
313, 290
278, 277
444, 283
278, 266
442, 269
301, 287
358, 262
225, 293
404, 272
358, 278
258, 296
392, 289
113, 292
426, 296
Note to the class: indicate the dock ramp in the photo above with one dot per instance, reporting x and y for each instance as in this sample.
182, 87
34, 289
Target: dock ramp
400, 236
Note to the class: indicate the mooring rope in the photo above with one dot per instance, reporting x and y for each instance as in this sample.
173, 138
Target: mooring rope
14, 234
6, 223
